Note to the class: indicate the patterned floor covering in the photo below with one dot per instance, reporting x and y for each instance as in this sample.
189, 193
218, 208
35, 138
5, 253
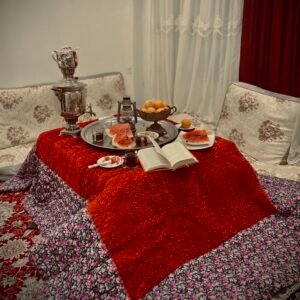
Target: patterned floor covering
18, 278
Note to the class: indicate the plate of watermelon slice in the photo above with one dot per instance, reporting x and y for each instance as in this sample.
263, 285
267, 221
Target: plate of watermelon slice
119, 136
197, 139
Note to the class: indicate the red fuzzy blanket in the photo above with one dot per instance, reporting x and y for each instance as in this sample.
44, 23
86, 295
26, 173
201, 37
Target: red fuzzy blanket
154, 222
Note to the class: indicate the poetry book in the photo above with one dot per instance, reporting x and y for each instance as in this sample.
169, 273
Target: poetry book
171, 156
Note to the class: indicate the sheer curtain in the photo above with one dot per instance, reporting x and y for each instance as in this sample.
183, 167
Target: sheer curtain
187, 52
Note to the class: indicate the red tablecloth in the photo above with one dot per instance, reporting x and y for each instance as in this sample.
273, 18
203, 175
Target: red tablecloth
154, 222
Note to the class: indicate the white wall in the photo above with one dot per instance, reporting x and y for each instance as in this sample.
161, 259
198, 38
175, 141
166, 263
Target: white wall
31, 29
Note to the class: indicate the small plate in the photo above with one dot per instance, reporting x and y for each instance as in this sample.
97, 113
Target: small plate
211, 137
110, 161
154, 135
184, 129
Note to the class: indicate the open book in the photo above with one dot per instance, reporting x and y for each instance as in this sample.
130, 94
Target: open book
171, 156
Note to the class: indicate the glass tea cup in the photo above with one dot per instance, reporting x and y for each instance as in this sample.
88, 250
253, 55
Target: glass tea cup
98, 135
131, 159
141, 141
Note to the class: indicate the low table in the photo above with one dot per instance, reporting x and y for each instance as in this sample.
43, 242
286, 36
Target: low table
146, 221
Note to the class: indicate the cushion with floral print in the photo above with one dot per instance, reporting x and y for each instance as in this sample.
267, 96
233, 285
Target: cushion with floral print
25, 112
103, 93
28, 111
261, 123
11, 159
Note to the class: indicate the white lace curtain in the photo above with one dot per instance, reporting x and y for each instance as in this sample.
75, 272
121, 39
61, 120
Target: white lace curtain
187, 52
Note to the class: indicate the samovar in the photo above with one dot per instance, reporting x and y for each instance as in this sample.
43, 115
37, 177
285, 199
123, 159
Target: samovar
70, 92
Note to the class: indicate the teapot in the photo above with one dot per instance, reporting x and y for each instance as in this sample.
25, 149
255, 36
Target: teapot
66, 59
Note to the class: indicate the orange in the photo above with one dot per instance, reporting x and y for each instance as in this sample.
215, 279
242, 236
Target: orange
151, 109
148, 103
186, 123
158, 103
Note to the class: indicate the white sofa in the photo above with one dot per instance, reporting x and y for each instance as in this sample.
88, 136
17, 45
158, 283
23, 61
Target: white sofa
25, 112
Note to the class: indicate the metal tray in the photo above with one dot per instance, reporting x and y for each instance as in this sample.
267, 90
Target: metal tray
141, 125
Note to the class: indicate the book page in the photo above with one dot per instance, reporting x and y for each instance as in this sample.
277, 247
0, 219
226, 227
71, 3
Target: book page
151, 160
178, 155
156, 146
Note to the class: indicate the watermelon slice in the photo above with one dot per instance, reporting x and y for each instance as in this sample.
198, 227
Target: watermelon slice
119, 129
121, 135
123, 141
196, 137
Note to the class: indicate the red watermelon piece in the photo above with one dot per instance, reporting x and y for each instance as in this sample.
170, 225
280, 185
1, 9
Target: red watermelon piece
121, 135
123, 141
119, 129
196, 137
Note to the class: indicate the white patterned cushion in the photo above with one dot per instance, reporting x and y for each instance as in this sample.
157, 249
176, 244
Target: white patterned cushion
104, 92
286, 171
25, 112
261, 123
11, 159
13, 156
28, 111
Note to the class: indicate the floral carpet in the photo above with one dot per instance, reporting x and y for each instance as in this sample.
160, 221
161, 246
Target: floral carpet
18, 278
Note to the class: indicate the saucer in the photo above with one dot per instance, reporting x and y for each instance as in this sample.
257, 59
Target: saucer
148, 134
185, 129
110, 161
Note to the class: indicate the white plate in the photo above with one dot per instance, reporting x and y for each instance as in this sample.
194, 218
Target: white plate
211, 137
147, 134
184, 129
107, 161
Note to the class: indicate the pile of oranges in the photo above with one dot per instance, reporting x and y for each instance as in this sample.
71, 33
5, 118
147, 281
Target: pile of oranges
154, 106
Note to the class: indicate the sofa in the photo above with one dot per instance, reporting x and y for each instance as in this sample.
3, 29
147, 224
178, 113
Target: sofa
25, 112
264, 125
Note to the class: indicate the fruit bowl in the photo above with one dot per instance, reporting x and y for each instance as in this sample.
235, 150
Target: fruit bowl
156, 117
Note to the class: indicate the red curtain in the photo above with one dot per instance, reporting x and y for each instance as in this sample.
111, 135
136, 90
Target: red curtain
270, 47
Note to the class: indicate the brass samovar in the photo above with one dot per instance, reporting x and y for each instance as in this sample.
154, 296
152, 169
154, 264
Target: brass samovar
70, 92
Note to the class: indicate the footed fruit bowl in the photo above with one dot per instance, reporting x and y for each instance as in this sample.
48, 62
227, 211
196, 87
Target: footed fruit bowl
155, 117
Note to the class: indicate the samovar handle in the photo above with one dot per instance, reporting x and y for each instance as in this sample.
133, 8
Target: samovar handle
54, 56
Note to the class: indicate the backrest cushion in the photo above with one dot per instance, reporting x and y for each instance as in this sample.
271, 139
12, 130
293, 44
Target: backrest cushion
103, 93
260, 122
26, 112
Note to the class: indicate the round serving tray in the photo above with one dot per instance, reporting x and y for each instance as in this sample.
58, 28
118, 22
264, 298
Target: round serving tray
141, 126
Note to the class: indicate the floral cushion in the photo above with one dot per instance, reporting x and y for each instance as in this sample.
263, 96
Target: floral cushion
14, 155
25, 112
104, 92
28, 111
11, 159
259, 122
286, 171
